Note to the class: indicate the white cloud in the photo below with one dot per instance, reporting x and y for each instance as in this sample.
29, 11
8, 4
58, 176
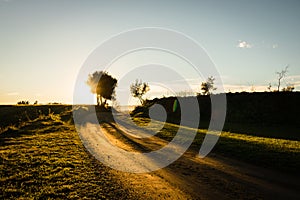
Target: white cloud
293, 77
274, 46
296, 83
293, 80
244, 45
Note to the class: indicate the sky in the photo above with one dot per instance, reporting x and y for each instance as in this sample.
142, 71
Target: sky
44, 44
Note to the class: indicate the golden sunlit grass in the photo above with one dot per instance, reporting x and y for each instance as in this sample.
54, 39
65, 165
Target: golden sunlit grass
45, 159
273, 153
41, 155
279, 154
279, 144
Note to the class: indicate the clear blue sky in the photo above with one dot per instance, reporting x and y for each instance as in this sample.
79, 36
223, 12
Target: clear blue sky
43, 43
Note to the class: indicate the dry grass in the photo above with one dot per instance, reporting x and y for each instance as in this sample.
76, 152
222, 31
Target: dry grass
45, 159
278, 154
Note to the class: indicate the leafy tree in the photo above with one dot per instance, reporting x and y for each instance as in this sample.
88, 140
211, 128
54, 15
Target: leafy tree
138, 89
23, 103
288, 88
269, 87
281, 75
208, 86
103, 85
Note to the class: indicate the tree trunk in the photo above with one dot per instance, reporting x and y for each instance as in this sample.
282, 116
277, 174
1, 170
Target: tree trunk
100, 100
97, 97
279, 82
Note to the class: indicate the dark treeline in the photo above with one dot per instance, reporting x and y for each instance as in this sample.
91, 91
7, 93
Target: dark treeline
246, 112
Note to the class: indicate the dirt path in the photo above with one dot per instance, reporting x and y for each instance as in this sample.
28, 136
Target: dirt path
190, 177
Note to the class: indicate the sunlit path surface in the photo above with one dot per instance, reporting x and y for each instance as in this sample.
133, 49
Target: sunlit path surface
188, 177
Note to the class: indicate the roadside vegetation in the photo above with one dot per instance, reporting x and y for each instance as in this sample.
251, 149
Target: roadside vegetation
43, 158
14, 116
41, 155
277, 154
266, 114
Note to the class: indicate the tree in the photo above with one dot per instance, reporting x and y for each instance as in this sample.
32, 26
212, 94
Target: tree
138, 89
208, 86
23, 103
281, 75
269, 87
103, 85
288, 88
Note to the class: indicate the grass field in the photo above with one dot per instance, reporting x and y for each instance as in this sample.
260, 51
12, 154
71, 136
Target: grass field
41, 155
44, 159
279, 154
14, 116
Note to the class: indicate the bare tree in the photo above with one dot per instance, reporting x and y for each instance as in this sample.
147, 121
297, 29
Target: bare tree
252, 88
208, 86
281, 75
138, 89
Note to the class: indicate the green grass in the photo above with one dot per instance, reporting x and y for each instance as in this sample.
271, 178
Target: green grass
44, 159
278, 154
279, 131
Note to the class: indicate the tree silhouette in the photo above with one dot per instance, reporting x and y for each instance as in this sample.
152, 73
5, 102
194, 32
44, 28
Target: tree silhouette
288, 88
103, 85
138, 89
281, 75
269, 87
23, 103
208, 86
